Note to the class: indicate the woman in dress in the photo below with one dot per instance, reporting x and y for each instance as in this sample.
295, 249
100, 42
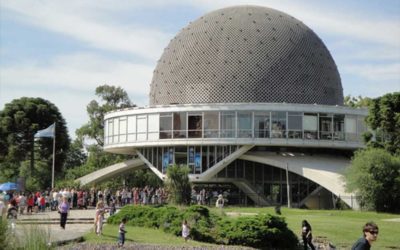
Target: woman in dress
63, 210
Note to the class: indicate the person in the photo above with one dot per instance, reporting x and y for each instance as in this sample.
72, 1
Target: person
185, 230
370, 234
113, 209
220, 201
306, 234
31, 203
63, 210
122, 233
100, 211
21, 203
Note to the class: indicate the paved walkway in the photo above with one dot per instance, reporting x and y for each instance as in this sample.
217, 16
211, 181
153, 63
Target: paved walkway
79, 223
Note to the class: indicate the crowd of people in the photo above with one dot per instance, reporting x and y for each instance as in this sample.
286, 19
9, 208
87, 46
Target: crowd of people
49, 200
30, 202
106, 201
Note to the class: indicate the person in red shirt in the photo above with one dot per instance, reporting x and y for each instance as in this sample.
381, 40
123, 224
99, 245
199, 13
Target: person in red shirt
42, 203
30, 202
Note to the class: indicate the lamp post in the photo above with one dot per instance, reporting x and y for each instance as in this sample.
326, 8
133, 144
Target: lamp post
288, 186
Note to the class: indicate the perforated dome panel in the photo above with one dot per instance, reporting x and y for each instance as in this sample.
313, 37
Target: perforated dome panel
246, 54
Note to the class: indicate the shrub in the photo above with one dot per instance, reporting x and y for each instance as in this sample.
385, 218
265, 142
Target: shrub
261, 231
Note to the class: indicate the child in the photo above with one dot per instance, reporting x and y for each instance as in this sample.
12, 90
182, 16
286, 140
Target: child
100, 211
122, 233
185, 230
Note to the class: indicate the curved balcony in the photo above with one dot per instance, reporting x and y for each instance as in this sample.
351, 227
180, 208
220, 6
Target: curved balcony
298, 125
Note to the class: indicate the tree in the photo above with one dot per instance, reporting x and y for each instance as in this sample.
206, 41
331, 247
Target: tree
357, 102
178, 185
75, 156
113, 98
384, 119
19, 121
374, 174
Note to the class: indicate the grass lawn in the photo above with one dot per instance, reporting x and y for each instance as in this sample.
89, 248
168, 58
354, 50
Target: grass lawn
141, 235
342, 228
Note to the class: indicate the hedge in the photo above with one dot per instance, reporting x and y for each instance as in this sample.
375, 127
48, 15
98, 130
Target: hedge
261, 231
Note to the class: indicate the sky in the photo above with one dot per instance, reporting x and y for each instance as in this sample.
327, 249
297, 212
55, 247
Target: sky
62, 50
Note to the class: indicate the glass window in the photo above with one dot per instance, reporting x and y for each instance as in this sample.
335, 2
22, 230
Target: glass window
350, 124
106, 132
204, 159
211, 124
111, 130
338, 127
231, 170
278, 129
131, 128
181, 156
142, 127
122, 129
212, 157
245, 125
116, 130
165, 125
153, 125
179, 125
261, 124
310, 126
195, 125
325, 126
228, 124
295, 122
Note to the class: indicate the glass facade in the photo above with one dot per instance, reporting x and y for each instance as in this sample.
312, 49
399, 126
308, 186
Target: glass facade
198, 158
234, 124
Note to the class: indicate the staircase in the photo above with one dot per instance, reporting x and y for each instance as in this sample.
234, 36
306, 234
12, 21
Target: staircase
258, 198
50, 221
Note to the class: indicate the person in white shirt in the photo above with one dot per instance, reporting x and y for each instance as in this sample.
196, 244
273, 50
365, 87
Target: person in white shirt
185, 230
220, 201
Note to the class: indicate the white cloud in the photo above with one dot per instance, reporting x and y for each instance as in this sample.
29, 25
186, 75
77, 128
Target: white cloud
79, 72
70, 81
70, 20
375, 72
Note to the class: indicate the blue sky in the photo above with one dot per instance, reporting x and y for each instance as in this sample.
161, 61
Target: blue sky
62, 50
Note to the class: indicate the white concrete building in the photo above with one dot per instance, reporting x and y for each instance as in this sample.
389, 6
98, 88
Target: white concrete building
251, 100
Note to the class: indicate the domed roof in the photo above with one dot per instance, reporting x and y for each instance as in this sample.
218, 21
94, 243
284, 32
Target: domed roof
246, 54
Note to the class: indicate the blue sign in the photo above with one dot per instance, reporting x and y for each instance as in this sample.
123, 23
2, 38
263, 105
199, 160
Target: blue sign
165, 162
197, 161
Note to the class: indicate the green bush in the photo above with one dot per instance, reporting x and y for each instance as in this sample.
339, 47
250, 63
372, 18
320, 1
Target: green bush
202, 223
261, 231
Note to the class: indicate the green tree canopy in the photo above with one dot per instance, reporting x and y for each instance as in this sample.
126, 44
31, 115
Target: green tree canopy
374, 174
384, 119
112, 98
357, 102
19, 121
178, 185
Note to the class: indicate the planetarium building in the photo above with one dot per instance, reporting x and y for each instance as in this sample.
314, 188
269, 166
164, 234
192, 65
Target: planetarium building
251, 100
